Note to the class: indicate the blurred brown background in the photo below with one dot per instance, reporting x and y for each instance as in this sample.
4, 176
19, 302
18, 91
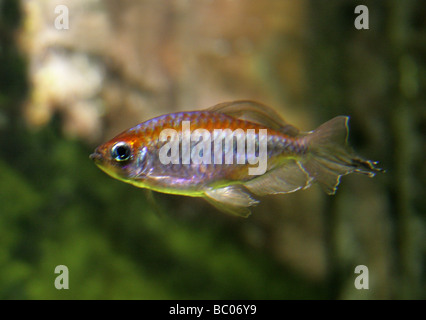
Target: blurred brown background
62, 92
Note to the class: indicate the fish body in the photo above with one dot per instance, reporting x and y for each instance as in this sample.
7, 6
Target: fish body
291, 160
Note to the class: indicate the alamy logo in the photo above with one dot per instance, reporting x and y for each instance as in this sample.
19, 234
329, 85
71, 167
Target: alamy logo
361, 21
361, 281
61, 281
62, 20
196, 147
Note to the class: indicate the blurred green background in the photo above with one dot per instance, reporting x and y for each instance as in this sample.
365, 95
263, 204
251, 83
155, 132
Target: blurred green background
63, 92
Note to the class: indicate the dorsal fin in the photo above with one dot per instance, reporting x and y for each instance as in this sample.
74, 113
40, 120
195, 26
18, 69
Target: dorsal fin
255, 112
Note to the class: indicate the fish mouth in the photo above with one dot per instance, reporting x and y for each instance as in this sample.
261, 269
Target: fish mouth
96, 156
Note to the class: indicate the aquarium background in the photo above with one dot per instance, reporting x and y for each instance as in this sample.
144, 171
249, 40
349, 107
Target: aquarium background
64, 91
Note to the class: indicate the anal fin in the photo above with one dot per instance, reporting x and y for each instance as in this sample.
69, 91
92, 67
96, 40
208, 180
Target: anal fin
289, 177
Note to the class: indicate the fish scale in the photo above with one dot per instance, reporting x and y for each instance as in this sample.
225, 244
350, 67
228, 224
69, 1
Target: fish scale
277, 144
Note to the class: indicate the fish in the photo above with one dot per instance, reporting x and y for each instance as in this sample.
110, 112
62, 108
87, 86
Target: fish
146, 157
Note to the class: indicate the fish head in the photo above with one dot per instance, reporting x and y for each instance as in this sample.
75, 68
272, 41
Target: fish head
123, 158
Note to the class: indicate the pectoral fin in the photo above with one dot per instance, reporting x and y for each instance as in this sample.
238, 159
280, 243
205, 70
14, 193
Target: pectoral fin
231, 199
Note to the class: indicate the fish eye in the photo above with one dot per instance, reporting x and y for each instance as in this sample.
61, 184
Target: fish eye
121, 151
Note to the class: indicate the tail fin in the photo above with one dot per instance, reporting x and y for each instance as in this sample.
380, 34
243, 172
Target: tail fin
330, 157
